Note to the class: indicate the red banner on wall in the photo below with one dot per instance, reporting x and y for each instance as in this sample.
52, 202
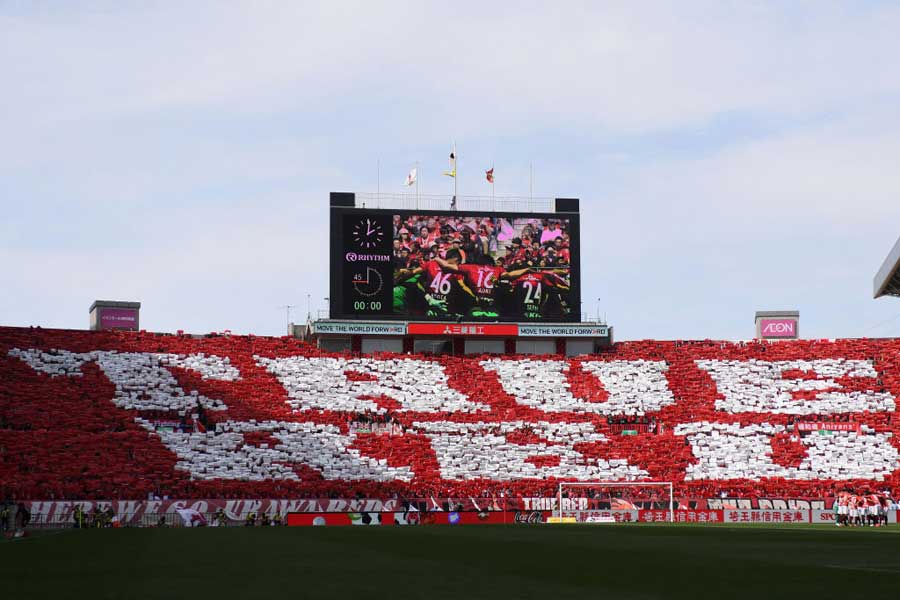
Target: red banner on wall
768, 516
462, 329
682, 516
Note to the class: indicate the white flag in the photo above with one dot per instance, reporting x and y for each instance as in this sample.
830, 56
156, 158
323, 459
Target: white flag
411, 178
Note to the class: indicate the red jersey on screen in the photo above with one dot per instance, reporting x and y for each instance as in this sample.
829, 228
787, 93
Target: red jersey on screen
481, 279
440, 282
531, 291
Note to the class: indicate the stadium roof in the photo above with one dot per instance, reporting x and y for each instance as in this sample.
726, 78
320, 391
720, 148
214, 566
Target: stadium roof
887, 280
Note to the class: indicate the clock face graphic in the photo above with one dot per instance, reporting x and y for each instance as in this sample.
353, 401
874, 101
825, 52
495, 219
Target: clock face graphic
368, 233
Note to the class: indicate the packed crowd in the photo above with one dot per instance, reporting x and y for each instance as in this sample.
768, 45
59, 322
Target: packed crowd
514, 243
101, 400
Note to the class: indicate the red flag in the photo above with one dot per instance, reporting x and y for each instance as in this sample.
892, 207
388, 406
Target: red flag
490, 175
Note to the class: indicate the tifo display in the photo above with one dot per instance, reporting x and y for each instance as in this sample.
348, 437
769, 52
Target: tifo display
114, 415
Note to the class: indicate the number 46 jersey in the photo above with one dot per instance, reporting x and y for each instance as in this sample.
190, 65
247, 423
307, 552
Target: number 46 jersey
440, 282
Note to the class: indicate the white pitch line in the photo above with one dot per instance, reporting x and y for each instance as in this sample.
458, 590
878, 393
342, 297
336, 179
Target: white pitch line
39, 537
874, 569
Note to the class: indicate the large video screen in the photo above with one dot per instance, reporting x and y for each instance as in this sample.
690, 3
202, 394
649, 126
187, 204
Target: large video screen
453, 266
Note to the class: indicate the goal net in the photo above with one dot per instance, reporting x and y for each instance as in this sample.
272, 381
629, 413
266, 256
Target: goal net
613, 501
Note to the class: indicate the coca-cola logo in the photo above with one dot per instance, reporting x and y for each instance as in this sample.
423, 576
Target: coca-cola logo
533, 516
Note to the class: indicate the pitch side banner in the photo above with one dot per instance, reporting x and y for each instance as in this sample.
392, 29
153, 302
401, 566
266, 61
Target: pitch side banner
827, 516
132, 512
682, 516
343, 519
414, 518
768, 516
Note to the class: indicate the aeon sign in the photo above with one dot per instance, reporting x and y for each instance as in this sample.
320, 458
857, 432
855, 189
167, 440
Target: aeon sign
777, 328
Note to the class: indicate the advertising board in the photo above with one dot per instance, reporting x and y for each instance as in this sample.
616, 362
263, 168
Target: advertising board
563, 331
778, 328
118, 318
461, 329
359, 328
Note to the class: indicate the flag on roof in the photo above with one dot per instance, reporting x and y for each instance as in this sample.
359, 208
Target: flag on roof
452, 171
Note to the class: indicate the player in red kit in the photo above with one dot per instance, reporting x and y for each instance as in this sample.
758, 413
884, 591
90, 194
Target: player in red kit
874, 510
843, 502
533, 290
480, 282
437, 284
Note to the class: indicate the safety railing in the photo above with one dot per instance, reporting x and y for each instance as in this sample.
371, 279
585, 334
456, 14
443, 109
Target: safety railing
413, 201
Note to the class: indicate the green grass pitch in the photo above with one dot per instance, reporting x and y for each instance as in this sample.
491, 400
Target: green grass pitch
498, 562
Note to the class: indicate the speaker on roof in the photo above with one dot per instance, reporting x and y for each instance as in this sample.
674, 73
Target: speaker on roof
347, 199
567, 205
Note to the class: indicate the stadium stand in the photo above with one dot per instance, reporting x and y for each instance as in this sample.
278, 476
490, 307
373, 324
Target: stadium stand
101, 415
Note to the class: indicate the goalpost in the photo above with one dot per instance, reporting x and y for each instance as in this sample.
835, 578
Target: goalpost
593, 497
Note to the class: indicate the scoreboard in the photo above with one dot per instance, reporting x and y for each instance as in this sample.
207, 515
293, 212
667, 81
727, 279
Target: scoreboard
365, 258
454, 265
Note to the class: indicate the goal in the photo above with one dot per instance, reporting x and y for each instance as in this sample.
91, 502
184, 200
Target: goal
605, 501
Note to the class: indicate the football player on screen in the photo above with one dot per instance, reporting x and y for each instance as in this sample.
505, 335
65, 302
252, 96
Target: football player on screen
532, 294
480, 282
439, 289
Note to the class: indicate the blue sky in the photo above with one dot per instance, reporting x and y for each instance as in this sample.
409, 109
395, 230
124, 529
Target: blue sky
729, 156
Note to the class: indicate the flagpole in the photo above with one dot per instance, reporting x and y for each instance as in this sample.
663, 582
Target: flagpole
531, 182
417, 185
492, 185
455, 177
